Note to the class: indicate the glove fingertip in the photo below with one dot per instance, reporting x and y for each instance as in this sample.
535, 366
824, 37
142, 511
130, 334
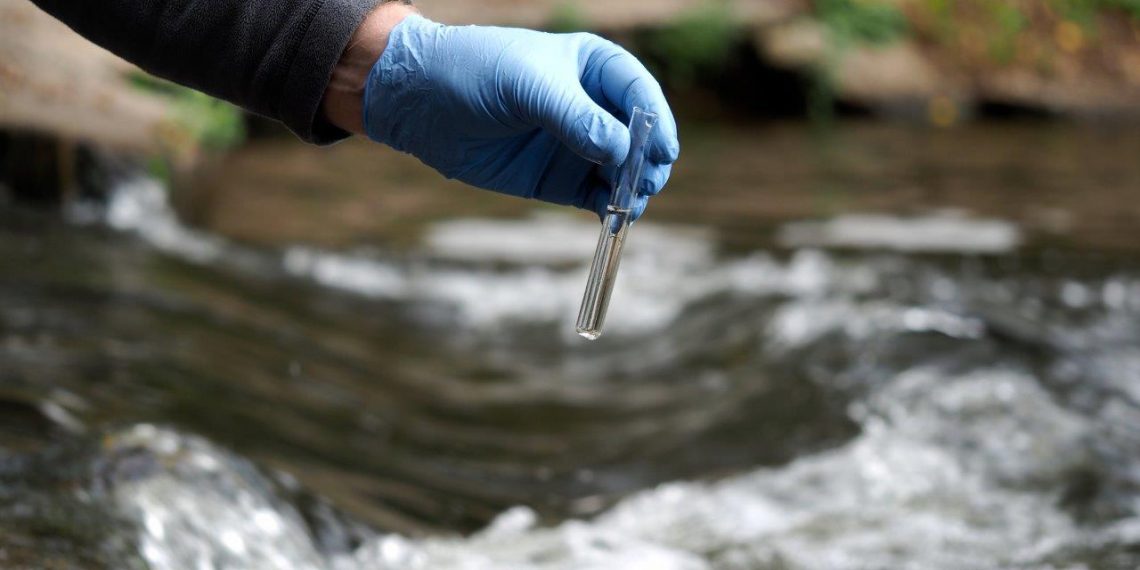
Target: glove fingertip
653, 179
647, 188
670, 152
639, 208
666, 147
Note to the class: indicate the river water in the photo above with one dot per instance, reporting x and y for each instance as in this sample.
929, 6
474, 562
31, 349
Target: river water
845, 363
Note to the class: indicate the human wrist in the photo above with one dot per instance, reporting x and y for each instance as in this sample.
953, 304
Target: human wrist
343, 101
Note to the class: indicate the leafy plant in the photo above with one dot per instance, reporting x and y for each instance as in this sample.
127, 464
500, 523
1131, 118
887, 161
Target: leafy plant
848, 23
1084, 11
213, 123
942, 12
207, 121
701, 38
567, 17
1009, 22
1130, 6
862, 21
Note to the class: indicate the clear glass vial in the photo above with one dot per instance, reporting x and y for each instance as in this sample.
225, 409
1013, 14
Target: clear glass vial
615, 228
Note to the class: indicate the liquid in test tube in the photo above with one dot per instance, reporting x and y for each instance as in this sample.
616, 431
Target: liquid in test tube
615, 228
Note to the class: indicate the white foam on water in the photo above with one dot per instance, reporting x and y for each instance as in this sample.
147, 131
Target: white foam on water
514, 271
663, 270
140, 205
353, 273
803, 321
920, 488
547, 238
951, 233
951, 470
652, 290
556, 239
516, 282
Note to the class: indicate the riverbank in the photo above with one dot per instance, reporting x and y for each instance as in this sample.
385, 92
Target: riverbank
945, 60
63, 99
72, 112
1067, 186
54, 82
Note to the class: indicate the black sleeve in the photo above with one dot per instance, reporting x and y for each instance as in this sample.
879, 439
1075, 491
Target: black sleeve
272, 57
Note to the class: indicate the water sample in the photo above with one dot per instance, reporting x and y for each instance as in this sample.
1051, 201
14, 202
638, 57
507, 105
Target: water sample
615, 227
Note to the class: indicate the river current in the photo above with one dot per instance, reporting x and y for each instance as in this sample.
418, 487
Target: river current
865, 391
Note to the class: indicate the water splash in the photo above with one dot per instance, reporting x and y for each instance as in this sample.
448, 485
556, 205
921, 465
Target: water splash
945, 233
140, 205
997, 416
927, 485
915, 491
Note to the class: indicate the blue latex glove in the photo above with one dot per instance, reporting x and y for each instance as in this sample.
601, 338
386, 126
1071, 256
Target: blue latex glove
521, 112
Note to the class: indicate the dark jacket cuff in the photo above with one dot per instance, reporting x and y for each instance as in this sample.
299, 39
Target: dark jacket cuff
318, 52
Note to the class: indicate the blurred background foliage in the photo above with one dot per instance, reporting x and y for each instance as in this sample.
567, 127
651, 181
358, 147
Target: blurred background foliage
196, 118
862, 21
698, 39
938, 62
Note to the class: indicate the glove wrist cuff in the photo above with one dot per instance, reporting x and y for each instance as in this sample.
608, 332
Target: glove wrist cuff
397, 81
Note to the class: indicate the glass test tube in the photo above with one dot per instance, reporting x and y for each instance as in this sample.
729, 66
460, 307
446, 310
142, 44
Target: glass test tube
603, 270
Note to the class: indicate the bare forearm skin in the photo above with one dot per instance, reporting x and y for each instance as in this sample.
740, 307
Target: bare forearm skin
343, 102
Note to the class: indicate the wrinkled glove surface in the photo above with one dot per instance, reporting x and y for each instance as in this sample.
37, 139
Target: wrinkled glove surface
521, 112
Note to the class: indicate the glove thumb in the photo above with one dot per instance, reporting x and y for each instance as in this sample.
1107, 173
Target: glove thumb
586, 128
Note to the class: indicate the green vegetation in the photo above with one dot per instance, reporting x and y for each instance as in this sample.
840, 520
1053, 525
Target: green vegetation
208, 122
862, 21
567, 17
1130, 6
213, 123
1009, 22
997, 22
699, 39
1084, 11
942, 14
848, 23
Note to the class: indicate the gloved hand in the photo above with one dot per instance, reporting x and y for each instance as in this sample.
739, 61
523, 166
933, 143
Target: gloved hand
521, 112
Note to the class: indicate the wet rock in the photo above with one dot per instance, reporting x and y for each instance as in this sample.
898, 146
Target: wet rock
150, 497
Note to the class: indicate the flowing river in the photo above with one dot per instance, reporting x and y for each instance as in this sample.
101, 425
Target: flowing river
896, 349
